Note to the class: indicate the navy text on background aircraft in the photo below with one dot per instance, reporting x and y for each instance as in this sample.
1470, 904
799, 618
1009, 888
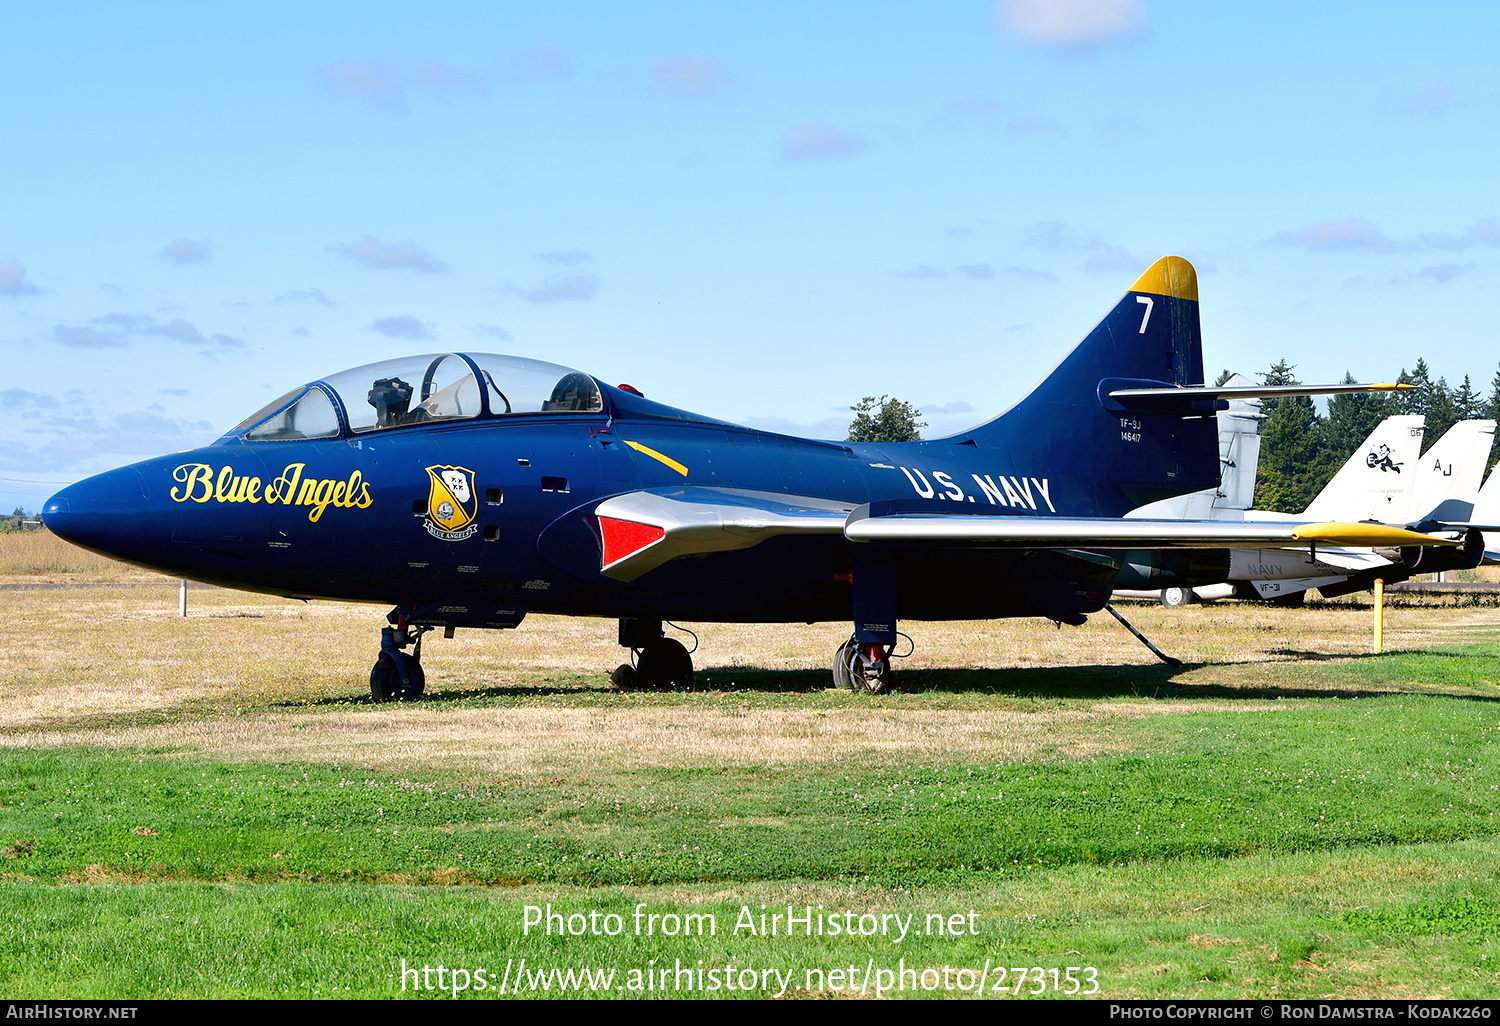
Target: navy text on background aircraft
466, 490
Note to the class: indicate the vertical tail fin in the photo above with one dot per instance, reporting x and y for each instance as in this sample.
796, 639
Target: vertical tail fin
1121, 462
1377, 482
1450, 472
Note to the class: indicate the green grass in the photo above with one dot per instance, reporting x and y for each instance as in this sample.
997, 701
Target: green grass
1370, 771
1326, 846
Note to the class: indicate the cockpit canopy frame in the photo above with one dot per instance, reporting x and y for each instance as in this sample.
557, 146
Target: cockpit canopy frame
425, 389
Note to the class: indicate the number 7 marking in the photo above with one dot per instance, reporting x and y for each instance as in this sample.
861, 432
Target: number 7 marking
1147, 315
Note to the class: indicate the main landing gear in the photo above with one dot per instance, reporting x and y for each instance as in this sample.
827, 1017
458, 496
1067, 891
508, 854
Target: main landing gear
660, 662
862, 667
397, 674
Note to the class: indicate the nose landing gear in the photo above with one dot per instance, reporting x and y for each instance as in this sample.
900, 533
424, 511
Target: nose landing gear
862, 667
397, 675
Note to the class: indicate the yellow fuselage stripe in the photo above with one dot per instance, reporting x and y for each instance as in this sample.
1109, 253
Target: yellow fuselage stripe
669, 461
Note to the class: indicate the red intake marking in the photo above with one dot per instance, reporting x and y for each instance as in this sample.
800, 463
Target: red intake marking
623, 538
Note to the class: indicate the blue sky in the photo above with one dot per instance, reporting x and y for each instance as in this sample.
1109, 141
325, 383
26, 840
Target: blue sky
761, 212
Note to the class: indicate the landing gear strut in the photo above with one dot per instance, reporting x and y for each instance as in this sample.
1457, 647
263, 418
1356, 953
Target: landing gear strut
397, 675
660, 661
862, 667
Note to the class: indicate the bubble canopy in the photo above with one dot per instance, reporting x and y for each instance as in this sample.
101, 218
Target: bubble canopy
422, 390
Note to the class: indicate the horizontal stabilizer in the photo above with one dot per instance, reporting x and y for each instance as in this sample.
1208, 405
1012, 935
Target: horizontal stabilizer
1126, 395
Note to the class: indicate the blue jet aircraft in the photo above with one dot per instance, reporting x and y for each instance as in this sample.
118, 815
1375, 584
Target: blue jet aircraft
466, 490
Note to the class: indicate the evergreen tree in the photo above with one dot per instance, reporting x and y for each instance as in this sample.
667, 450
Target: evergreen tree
1492, 409
1466, 402
1439, 407
885, 420
1409, 401
1224, 375
1350, 420
1287, 479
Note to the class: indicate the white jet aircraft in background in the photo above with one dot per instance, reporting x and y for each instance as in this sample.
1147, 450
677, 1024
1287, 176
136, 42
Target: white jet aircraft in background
1386, 481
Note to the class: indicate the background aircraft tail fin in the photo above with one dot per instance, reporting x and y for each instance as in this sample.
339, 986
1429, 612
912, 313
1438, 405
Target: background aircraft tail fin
1449, 473
1120, 461
1376, 483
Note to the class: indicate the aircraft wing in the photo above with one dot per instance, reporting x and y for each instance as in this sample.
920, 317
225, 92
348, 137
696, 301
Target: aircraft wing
1021, 532
641, 530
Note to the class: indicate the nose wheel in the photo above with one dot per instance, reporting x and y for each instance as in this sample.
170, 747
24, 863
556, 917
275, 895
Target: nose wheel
862, 667
397, 675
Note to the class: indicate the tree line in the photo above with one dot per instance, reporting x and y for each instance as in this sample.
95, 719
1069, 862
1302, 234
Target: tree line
1302, 449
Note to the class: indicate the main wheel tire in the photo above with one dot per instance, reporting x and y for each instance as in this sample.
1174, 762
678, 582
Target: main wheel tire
664, 664
1176, 598
842, 657
385, 680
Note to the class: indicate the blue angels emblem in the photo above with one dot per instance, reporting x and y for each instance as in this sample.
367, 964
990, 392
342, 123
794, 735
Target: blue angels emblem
451, 503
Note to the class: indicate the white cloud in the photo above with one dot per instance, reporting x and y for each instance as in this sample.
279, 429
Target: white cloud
542, 60
81, 440
492, 331
117, 329
87, 338
1112, 259
690, 77
940, 409
297, 295
814, 141
833, 427
566, 256
1125, 124
1104, 257
1073, 26
970, 109
1350, 233
988, 112
922, 271
561, 290
1442, 272
13, 279
401, 326
371, 253
1028, 124
185, 251
1433, 100
12, 397
385, 82
1030, 273
982, 272
1356, 233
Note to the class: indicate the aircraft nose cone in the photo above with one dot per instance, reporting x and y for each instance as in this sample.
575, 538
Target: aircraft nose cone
104, 513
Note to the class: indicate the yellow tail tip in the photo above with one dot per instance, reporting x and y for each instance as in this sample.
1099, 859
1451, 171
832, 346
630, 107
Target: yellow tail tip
1169, 276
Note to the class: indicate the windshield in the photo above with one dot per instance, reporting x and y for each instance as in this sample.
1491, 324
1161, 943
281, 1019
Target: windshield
304, 412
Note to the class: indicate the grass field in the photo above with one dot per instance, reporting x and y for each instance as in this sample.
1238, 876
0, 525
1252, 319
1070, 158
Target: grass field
212, 807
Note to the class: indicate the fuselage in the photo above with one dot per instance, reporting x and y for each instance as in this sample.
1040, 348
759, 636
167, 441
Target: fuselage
494, 511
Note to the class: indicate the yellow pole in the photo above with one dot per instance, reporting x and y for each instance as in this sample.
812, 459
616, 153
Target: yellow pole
1379, 615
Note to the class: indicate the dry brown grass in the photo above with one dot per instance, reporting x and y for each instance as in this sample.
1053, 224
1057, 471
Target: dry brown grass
550, 740
249, 677
41, 557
